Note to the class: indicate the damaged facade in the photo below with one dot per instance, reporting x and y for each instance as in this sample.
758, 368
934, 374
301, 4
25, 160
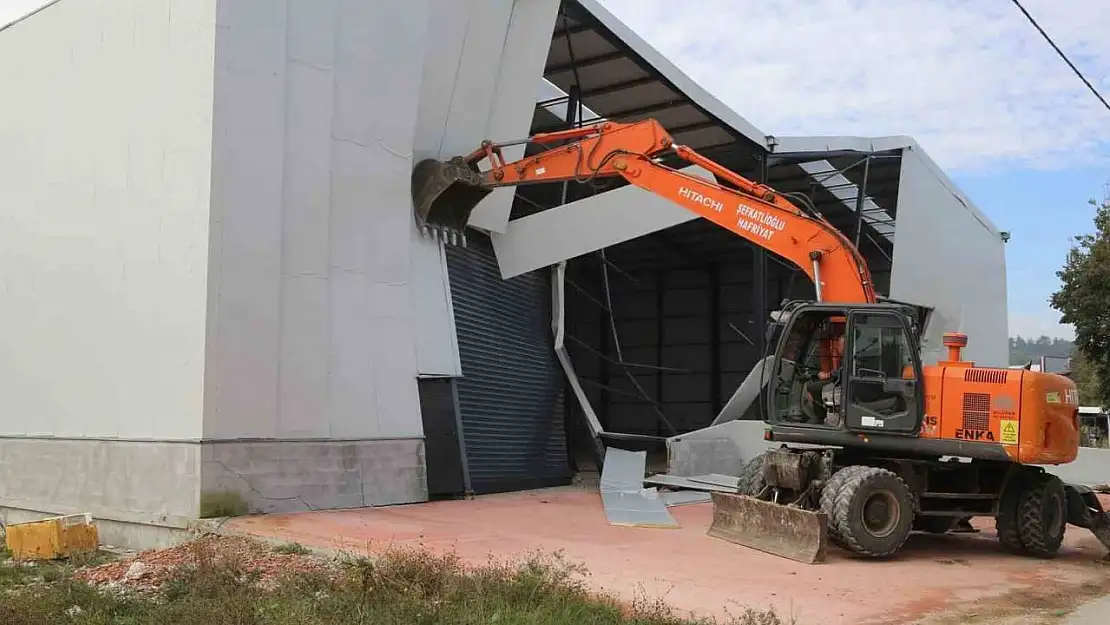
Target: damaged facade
217, 299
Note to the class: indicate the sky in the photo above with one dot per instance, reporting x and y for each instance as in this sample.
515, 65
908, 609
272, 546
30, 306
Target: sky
971, 80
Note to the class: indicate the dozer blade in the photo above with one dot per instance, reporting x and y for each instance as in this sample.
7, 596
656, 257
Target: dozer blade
445, 192
770, 527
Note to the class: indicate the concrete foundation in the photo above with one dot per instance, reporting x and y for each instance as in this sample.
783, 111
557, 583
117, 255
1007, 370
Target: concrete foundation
293, 476
132, 481
146, 494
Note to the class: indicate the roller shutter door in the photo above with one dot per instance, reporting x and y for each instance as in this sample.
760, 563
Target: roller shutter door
511, 392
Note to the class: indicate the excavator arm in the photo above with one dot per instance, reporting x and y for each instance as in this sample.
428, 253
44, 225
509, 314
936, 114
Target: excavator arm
444, 194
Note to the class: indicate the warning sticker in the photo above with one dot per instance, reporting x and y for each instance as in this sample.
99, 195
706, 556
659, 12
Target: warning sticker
1009, 432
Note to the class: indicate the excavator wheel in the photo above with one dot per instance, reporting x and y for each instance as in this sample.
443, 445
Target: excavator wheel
828, 497
1042, 516
872, 511
1006, 522
751, 480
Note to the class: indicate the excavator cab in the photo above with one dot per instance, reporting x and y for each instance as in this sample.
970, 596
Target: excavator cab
854, 368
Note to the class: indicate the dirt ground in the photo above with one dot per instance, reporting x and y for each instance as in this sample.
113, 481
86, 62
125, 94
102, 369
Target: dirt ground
937, 580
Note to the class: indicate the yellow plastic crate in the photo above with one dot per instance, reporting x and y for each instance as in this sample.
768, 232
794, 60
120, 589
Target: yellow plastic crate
50, 539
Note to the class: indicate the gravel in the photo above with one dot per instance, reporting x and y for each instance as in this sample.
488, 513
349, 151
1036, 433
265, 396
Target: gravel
148, 571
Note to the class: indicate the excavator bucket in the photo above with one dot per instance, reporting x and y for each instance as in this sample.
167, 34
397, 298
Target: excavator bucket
445, 192
774, 528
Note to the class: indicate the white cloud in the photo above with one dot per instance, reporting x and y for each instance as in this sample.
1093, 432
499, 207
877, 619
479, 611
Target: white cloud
971, 80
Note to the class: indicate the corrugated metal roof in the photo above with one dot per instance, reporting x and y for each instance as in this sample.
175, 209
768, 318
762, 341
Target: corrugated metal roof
619, 76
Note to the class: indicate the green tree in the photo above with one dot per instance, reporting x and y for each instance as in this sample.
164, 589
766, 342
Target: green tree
1086, 378
1084, 299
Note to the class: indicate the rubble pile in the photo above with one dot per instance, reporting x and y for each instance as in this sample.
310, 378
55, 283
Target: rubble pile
148, 571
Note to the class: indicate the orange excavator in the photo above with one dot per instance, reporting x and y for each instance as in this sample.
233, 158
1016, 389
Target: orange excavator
874, 443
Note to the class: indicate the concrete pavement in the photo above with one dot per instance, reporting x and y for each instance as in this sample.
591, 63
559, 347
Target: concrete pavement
694, 572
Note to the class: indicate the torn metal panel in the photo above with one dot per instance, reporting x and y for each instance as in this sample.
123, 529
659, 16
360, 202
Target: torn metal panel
720, 448
637, 510
558, 311
518, 77
623, 471
684, 497
623, 496
716, 479
677, 481
743, 401
585, 226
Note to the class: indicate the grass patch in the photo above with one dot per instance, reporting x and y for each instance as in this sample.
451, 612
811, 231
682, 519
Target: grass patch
16, 575
295, 549
404, 586
219, 504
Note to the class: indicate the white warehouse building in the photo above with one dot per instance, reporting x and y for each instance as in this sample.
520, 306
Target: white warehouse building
216, 300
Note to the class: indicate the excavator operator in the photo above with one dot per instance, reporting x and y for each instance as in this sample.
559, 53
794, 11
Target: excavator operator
830, 349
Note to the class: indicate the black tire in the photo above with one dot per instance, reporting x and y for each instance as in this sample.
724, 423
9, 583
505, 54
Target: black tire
751, 476
1006, 523
1042, 516
828, 497
873, 512
934, 524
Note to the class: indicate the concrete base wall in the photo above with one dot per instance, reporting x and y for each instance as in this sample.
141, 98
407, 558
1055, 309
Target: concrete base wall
292, 476
123, 480
146, 494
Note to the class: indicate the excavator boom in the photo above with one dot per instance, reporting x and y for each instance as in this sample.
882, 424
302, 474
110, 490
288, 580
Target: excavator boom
445, 193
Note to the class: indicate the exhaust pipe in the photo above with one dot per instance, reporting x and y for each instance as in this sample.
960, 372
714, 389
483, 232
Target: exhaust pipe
444, 193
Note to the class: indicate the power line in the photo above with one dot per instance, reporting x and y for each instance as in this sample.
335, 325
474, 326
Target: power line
1075, 69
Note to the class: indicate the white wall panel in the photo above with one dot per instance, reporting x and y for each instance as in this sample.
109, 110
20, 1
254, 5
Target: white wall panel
948, 257
437, 346
244, 325
105, 138
316, 107
482, 66
586, 225
519, 77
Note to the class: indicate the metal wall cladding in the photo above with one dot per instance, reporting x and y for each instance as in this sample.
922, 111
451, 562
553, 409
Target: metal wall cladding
511, 392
